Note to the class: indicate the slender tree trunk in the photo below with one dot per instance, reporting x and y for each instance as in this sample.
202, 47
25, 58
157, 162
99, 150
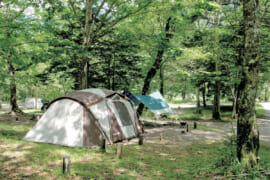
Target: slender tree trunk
203, 94
156, 66
86, 41
183, 94
109, 75
13, 94
265, 93
247, 129
198, 104
0, 99
234, 114
113, 74
36, 97
216, 103
161, 80
235, 100
84, 74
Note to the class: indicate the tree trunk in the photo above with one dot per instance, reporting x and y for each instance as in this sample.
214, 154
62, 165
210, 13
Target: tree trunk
198, 104
109, 75
183, 94
265, 93
247, 129
235, 94
113, 74
203, 94
0, 99
36, 98
84, 74
161, 80
86, 41
13, 95
156, 66
234, 112
216, 103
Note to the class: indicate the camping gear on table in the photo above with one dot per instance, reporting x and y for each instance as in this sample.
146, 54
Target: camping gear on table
86, 118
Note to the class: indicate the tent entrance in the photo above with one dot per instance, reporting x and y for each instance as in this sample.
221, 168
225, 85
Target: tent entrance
124, 119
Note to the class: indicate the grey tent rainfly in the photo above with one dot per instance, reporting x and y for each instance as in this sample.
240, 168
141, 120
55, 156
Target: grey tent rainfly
86, 117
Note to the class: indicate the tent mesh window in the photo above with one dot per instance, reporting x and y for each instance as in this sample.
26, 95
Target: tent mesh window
123, 113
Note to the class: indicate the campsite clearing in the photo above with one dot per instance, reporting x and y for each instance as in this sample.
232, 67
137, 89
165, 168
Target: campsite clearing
203, 153
178, 156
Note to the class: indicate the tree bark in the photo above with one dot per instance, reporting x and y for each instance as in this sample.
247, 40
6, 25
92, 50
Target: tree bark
84, 73
203, 94
86, 41
13, 94
161, 80
36, 97
216, 103
157, 64
0, 99
247, 129
198, 104
235, 94
113, 74
265, 93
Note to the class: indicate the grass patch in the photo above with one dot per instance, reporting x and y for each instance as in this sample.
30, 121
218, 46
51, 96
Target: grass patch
3, 112
27, 160
28, 111
206, 113
206, 128
259, 110
33, 111
147, 113
185, 101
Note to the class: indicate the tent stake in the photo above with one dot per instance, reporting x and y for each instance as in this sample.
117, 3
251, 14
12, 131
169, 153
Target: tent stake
195, 125
66, 165
103, 145
119, 150
140, 140
161, 137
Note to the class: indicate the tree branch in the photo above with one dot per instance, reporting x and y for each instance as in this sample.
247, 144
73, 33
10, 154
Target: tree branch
105, 16
266, 8
20, 12
111, 25
75, 12
99, 8
24, 68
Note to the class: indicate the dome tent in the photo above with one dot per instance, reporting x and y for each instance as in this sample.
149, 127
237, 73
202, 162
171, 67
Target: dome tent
85, 118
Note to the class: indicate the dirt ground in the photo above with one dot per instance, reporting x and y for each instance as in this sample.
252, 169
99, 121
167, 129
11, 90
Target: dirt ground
176, 135
168, 134
26, 119
173, 135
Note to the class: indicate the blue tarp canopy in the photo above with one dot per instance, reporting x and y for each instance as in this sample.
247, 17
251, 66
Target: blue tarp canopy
154, 101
